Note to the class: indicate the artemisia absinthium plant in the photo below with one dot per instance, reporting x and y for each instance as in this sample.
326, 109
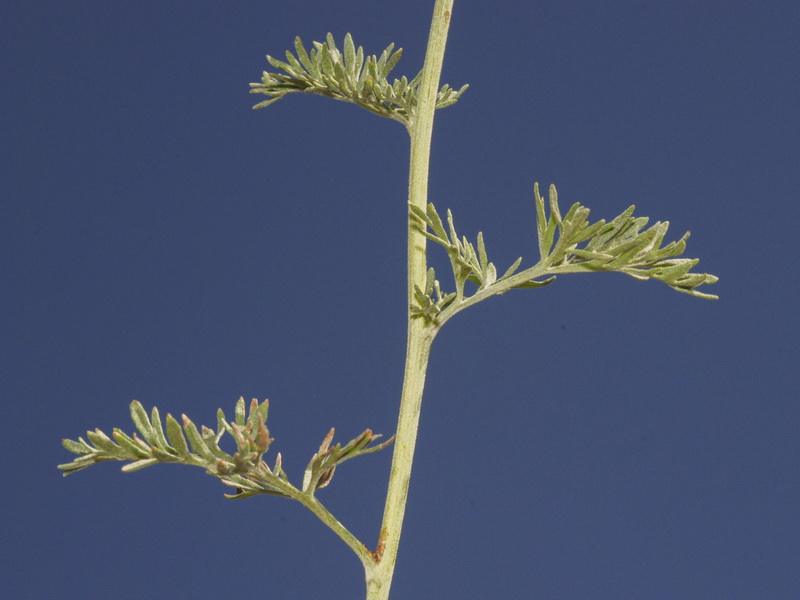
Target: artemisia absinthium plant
568, 243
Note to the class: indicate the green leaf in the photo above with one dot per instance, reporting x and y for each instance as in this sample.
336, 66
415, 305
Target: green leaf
350, 56
77, 465
79, 447
573, 211
532, 283
239, 414
391, 63
265, 103
490, 276
279, 64
484, 260
296, 68
302, 55
242, 444
546, 226
675, 269
139, 417
400, 86
512, 269
612, 230
259, 412
436, 223
102, 441
222, 423
129, 445
161, 440
212, 438
357, 68
587, 232
175, 434
325, 58
554, 212
341, 80
139, 464
196, 440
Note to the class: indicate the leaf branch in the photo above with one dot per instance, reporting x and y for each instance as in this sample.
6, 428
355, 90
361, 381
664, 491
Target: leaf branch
568, 244
623, 245
350, 76
245, 470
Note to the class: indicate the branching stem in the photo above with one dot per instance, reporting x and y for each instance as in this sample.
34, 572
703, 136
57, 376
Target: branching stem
366, 557
420, 333
568, 244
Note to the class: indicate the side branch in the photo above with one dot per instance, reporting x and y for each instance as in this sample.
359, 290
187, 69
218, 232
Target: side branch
568, 244
245, 470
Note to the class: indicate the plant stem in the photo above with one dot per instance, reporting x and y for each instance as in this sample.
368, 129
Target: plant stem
420, 333
365, 556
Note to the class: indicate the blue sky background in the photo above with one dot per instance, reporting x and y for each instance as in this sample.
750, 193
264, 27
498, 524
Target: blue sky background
598, 438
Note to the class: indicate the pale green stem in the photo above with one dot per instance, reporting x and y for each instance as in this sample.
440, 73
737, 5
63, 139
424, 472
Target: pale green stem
420, 333
310, 501
324, 515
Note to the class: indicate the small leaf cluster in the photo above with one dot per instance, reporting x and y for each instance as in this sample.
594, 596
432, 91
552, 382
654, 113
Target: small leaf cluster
568, 244
349, 76
322, 465
184, 443
623, 245
469, 263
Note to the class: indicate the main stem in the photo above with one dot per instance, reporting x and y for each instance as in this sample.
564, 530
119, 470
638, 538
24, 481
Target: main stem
420, 333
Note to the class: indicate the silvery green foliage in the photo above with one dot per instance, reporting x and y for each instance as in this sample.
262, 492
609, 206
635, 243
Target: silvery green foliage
567, 244
347, 76
244, 470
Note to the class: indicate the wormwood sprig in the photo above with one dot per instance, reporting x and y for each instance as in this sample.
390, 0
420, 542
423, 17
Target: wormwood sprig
621, 245
349, 76
567, 244
245, 470
183, 443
